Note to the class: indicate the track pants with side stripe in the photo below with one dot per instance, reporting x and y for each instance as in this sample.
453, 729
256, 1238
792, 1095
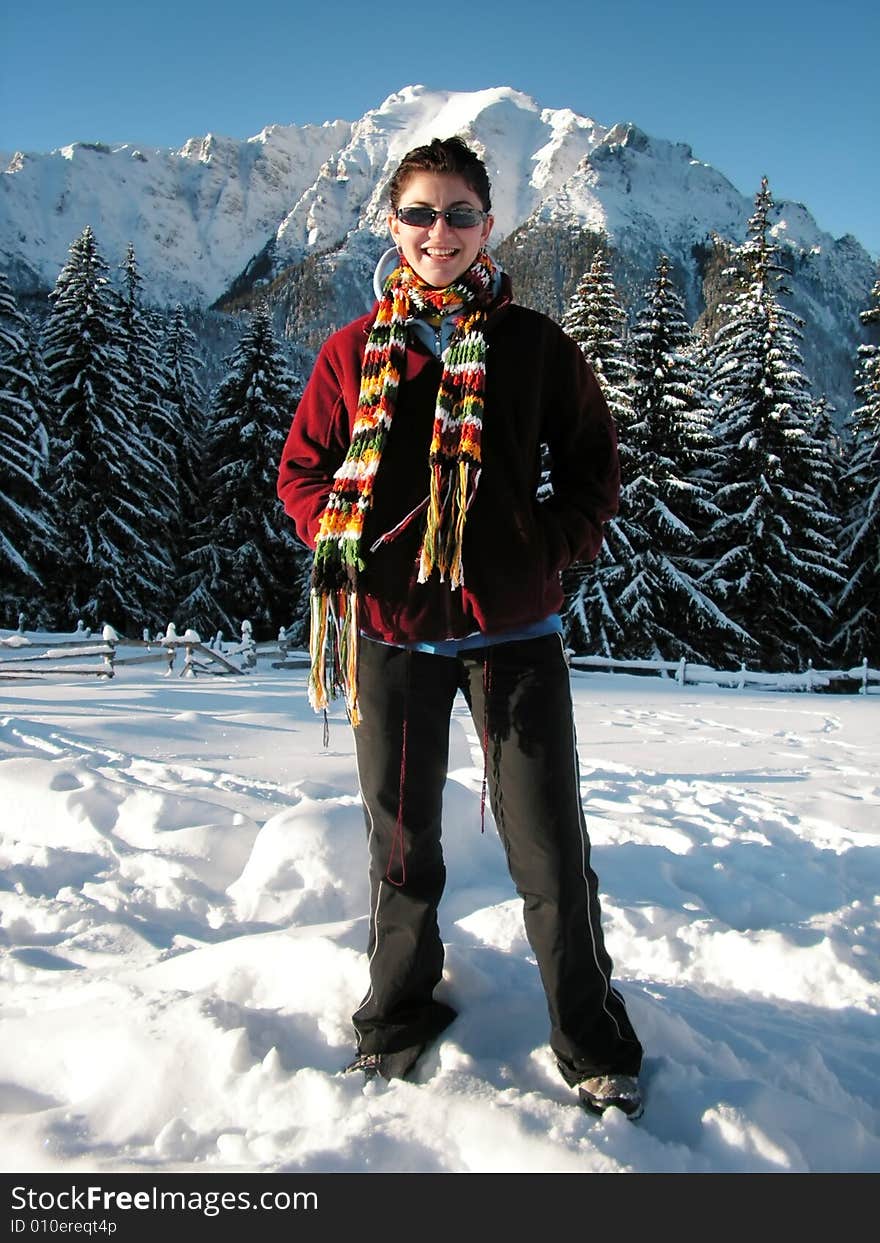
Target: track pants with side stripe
520, 700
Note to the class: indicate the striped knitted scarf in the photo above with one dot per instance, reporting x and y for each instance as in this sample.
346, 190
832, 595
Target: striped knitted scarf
454, 463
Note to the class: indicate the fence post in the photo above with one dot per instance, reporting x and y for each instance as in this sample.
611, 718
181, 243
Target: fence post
681, 676
190, 639
109, 635
250, 647
864, 689
170, 646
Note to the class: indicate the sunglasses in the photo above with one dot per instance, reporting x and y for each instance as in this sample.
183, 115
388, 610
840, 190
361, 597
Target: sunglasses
455, 217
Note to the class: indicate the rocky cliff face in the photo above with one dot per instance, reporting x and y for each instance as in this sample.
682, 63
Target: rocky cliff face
301, 211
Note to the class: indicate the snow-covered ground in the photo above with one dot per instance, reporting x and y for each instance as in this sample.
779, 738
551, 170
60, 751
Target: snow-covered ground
184, 913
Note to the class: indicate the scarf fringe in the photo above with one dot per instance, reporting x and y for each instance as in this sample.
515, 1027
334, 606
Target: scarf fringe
333, 646
442, 546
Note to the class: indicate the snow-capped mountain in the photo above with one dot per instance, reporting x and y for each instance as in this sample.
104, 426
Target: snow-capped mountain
530, 153
221, 212
195, 216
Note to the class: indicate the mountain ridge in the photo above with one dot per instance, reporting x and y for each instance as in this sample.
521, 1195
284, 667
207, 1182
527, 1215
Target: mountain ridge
222, 214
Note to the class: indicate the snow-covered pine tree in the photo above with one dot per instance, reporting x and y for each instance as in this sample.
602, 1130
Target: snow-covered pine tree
834, 455
139, 342
27, 528
774, 568
596, 320
244, 559
185, 401
111, 568
858, 608
669, 501
593, 618
833, 460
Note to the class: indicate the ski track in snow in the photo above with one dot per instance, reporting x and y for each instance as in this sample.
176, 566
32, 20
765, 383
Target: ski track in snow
184, 901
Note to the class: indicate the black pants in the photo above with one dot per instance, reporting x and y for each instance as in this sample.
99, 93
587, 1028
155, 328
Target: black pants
520, 700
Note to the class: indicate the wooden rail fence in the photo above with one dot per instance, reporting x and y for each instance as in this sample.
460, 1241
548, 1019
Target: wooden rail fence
84, 654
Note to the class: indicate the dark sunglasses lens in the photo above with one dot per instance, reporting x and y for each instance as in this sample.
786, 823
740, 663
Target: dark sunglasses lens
424, 217
419, 217
463, 217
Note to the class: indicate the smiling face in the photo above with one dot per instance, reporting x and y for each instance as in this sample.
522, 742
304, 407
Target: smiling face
439, 254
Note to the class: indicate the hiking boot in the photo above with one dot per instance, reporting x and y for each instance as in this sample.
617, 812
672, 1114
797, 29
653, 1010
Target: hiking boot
388, 1065
367, 1063
606, 1091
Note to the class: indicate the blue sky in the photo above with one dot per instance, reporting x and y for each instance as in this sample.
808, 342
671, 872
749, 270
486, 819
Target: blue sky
787, 89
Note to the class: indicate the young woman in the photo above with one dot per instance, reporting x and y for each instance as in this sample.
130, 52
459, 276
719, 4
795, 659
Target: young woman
412, 469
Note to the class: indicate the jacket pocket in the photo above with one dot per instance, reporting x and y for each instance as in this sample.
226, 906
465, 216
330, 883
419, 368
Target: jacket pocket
553, 542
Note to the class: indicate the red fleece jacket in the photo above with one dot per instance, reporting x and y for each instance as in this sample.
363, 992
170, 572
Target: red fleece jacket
539, 390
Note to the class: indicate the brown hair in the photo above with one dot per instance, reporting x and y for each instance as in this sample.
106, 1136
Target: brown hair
442, 155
